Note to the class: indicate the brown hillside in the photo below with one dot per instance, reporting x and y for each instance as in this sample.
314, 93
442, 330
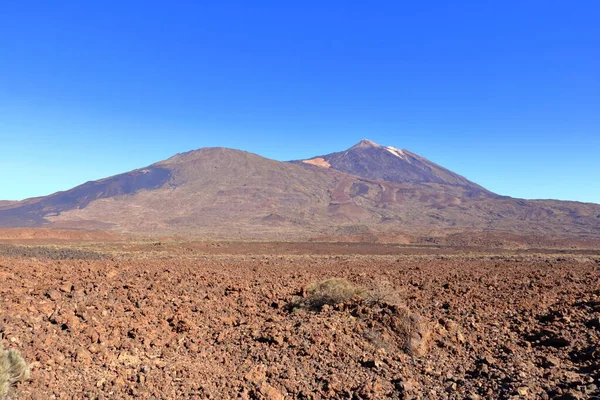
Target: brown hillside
224, 193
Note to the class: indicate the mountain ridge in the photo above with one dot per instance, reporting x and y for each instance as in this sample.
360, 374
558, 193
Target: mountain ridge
371, 160
225, 193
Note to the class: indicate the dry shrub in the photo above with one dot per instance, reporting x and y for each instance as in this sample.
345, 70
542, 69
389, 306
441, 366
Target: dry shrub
391, 324
383, 293
13, 369
331, 292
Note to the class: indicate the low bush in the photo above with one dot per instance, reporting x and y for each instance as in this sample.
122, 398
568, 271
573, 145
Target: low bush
331, 292
13, 369
389, 322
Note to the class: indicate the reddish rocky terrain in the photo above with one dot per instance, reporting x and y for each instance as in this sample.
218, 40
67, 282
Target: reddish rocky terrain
165, 320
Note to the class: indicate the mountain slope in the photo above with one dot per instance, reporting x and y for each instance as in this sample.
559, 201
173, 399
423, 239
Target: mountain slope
212, 190
32, 212
7, 203
371, 160
224, 193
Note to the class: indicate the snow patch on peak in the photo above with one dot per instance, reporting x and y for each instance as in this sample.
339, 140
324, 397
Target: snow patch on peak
395, 151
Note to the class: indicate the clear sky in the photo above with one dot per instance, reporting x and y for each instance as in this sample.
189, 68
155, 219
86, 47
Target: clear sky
506, 93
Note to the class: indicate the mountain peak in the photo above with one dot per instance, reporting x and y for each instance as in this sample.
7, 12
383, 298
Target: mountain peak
374, 161
365, 143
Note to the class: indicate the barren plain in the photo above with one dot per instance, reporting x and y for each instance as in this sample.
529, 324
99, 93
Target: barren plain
110, 319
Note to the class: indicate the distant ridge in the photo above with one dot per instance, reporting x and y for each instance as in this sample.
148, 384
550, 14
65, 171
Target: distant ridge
369, 192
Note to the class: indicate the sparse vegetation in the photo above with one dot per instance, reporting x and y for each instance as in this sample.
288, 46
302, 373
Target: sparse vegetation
383, 292
13, 369
380, 306
331, 292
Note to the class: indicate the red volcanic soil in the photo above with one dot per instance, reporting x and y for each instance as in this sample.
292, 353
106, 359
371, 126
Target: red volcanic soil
199, 320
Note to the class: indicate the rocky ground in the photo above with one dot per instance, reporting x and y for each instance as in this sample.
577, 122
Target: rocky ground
181, 323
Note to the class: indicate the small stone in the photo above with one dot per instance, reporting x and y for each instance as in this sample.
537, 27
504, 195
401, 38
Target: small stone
270, 392
66, 287
372, 363
83, 356
523, 391
278, 340
556, 341
405, 385
256, 374
53, 295
489, 360
551, 361
228, 320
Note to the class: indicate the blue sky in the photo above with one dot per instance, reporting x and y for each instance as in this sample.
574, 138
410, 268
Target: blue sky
506, 93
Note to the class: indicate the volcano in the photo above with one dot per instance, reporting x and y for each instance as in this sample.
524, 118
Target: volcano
368, 191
